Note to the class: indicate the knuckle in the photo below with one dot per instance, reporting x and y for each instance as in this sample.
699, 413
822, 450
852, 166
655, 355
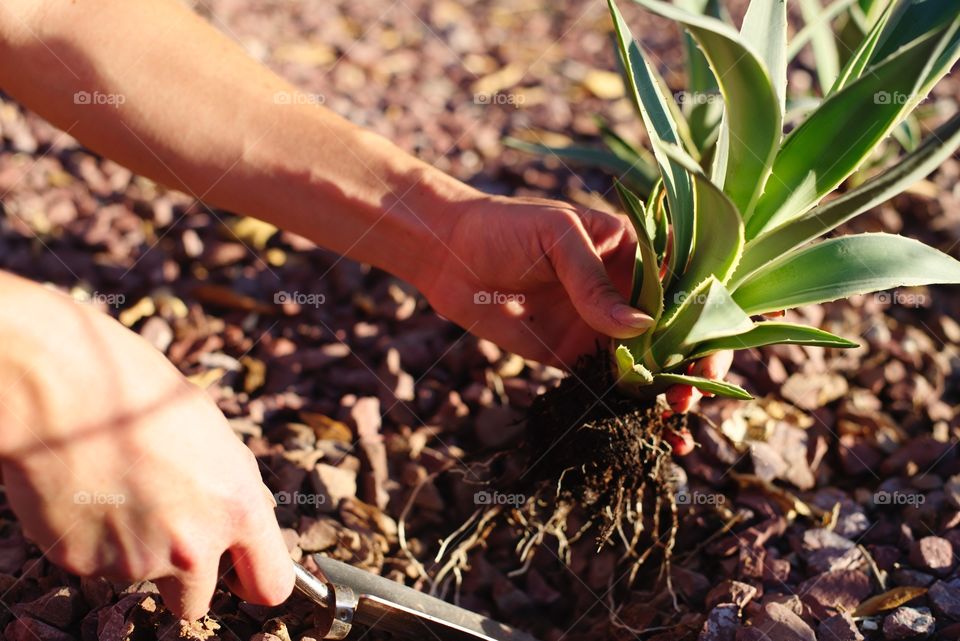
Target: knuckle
73, 559
560, 227
185, 555
598, 291
242, 514
131, 566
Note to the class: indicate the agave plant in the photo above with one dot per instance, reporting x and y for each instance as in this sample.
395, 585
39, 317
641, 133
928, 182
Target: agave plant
721, 243
635, 166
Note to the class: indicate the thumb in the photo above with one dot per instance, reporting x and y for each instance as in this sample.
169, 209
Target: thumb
585, 279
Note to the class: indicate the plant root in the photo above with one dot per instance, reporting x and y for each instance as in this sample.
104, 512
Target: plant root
590, 456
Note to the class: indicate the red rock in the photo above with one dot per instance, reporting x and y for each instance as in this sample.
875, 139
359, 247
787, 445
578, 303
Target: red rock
945, 600
60, 607
908, 623
781, 623
13, 552
721, 624
921, 452
365, 415
839, 590
319, 535
839, 627
331, 485
496, 426
27, 629
932, 554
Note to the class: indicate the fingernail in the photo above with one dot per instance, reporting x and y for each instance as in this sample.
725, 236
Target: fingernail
630, 317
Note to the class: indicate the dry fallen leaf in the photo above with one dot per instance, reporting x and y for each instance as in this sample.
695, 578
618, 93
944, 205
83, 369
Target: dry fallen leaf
252, 231
226, 297
603, 84
888, 600
138, 311
326, 428
206, 378
790, 502
499, 80
256, 374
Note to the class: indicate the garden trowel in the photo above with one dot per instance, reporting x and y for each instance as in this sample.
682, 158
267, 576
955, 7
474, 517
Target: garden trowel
351, 596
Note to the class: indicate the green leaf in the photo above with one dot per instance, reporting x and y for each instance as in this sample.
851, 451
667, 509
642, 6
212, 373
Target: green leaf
823, 20
706, 313
908, 133
772, 333
638, 174
872, 8
911, 19
824, 44
843, 267
627, 152
647, 292
629, 372
703, 114
751, 126
779, 241
655, 213
765, 28
864, 54
942, 65
818, 155
653, 103
720, 388
718, 236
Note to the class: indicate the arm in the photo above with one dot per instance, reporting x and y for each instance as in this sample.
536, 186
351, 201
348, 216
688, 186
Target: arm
188, 108
192, 110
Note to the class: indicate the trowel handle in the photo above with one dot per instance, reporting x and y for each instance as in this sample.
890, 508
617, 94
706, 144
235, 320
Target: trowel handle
338, 602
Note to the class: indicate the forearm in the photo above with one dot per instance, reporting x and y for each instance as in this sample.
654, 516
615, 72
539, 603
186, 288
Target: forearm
187, 107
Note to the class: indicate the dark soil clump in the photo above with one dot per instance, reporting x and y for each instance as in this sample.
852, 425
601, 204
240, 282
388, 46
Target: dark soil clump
596, 447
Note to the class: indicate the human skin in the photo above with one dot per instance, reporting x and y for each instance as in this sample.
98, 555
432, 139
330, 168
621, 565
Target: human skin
86, 406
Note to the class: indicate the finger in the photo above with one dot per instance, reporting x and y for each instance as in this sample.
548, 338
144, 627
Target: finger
261, 566
715, 366
585, 279
188, 594
680, 441
682, 398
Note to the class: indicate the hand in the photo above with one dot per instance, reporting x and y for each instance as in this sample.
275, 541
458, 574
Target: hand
544, 279
129, 471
